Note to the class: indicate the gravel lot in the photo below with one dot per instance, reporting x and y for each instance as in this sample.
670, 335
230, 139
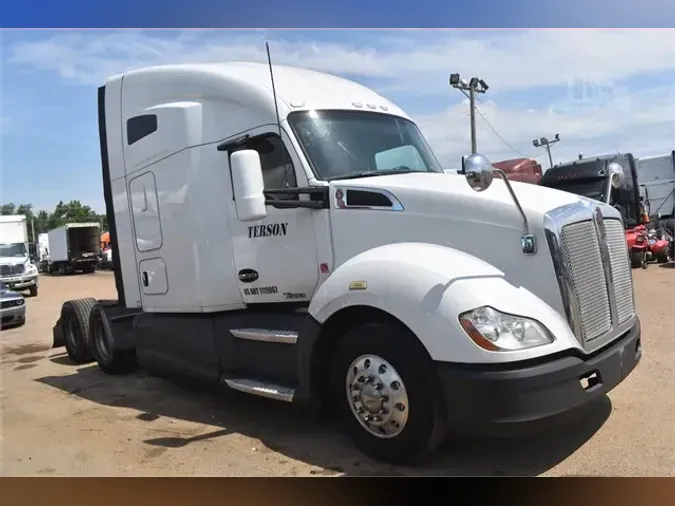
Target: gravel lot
59, 419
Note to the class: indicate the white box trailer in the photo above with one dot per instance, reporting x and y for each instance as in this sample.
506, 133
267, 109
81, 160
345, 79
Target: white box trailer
16, 269
656, 175
308, 247
74, 247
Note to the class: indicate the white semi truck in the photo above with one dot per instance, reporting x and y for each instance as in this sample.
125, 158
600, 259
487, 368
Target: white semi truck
74, 247
290, 234
16, 269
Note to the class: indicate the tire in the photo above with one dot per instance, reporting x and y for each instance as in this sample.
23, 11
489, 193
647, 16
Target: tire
33, 290
75, 323
425, 426
664, 257
110, 360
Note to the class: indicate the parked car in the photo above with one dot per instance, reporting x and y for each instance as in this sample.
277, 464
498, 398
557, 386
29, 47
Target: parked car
12, 307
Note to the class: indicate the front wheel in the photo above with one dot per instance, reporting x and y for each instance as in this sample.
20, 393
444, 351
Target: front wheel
665, 257
33, 290
386, 394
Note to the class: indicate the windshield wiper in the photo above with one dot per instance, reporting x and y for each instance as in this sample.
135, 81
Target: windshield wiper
378, 173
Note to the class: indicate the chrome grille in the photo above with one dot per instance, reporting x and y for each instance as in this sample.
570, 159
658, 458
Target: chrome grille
582, 250
593, 270
621, 270
11, 270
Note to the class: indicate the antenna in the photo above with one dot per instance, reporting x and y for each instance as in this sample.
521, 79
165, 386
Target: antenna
276, 110
274, 91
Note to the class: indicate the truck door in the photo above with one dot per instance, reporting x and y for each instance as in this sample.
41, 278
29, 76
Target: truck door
275, 258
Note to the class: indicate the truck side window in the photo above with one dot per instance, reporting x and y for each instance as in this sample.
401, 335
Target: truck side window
277, 166
140, 126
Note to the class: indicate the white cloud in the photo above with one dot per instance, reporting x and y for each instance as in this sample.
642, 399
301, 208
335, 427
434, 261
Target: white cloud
507, 60
596, 114
642, 124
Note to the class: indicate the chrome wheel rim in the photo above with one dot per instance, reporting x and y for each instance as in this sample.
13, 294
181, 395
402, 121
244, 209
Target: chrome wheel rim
377, 396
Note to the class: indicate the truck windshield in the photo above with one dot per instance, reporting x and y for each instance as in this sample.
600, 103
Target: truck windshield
349, 144
13, 250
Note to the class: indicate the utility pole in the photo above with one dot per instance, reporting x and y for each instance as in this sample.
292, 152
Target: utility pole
546, 143
475, 85
32, 227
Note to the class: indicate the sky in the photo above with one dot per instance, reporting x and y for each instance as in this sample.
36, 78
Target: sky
601, 90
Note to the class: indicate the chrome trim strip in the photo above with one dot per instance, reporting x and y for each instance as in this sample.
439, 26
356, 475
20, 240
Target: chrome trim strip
563, 276
261, 389
601, 234
266, 335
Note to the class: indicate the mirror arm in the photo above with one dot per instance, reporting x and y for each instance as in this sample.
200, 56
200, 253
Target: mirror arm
526, 224
608, 198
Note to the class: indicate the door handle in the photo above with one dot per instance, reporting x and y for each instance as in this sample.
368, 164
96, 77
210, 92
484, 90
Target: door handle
146, 281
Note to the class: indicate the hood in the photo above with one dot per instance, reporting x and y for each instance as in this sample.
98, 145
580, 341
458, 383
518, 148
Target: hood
13, 260
442, 209
451, 191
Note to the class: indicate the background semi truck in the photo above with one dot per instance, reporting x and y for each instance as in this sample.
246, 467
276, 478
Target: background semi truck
656, 176
17, 270
74, 247
308, 247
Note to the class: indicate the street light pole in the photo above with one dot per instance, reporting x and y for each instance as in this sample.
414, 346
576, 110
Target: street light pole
546, 143
475, 85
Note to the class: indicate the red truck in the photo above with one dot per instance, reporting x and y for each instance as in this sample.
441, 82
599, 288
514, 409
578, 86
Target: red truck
525, 170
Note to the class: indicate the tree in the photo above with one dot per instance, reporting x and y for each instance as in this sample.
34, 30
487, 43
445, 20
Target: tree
43, 221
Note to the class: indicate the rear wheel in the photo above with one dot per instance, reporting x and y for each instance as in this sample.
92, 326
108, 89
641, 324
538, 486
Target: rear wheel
75, 324
110, 360
386, 394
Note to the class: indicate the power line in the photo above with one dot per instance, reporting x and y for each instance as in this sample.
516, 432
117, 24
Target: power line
498, 135
494, 130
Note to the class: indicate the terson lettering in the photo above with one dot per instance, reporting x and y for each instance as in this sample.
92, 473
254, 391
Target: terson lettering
268, 230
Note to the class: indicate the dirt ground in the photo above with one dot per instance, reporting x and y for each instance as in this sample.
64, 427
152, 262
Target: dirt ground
59, 419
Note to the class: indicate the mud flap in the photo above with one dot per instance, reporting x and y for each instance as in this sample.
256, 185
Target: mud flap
57, 334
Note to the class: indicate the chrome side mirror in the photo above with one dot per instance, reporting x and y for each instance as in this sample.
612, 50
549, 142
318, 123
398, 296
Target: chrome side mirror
478, 171
616, 174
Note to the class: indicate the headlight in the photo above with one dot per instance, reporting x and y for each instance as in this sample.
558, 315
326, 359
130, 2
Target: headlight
30, 268
496, 331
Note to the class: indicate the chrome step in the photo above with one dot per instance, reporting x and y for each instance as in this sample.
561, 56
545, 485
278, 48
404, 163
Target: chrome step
261, 388
266, 335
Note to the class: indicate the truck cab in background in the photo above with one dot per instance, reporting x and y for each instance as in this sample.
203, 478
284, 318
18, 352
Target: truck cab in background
290, 234
612, 179
525, 170
17, 270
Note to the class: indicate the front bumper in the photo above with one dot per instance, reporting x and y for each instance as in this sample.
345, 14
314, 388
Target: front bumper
488, 399
13, 315
20, 282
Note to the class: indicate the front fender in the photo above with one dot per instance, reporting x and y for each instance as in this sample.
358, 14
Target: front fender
426, 287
